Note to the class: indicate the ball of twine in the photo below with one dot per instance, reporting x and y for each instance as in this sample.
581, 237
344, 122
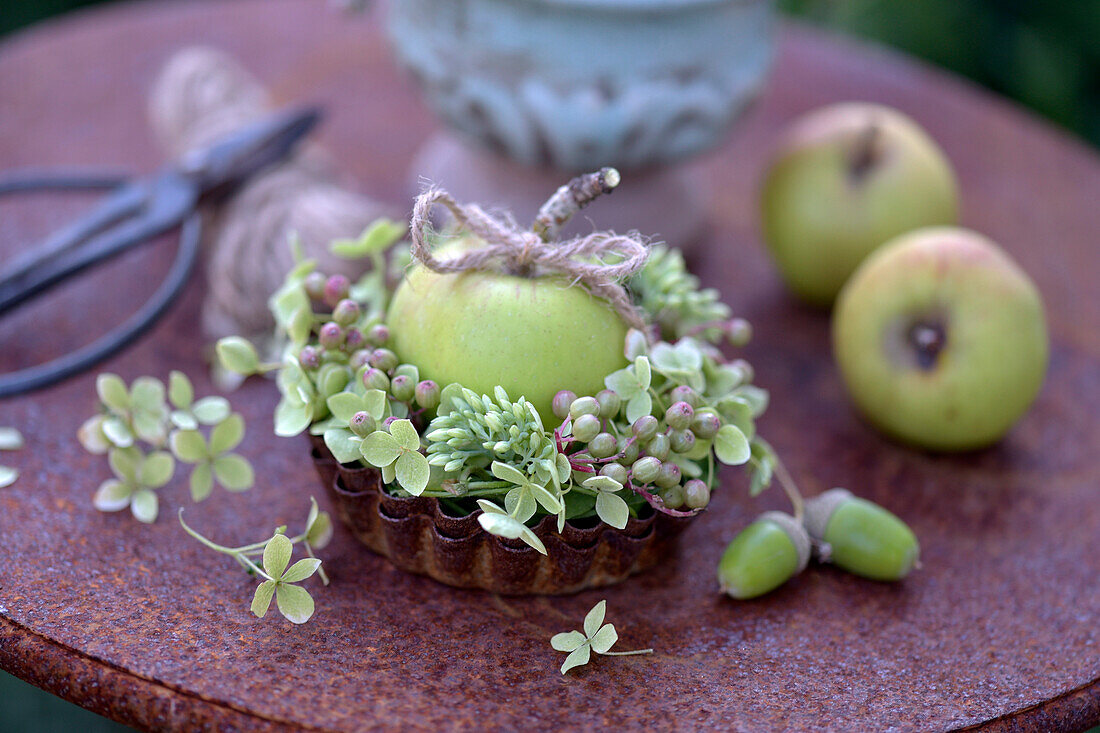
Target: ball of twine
200, 96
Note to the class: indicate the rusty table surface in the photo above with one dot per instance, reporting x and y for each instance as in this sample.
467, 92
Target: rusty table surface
1000, 628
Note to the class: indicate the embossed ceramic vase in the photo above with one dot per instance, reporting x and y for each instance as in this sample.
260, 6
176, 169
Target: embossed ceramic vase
572, 85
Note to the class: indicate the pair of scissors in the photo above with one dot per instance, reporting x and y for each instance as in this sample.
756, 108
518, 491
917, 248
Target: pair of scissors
135, 212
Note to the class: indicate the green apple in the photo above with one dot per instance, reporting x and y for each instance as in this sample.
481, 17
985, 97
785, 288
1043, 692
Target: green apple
533, 337
941, 340
846, 179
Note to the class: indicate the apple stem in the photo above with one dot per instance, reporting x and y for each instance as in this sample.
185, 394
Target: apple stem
866, 152
571, 198
790, 488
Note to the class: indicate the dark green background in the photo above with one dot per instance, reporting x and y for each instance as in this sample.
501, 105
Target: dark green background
1043, 53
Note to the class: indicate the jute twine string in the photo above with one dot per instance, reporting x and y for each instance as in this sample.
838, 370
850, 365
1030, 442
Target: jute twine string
200, 96
516, 251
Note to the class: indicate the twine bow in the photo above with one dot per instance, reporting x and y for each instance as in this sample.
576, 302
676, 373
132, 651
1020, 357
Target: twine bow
516, 251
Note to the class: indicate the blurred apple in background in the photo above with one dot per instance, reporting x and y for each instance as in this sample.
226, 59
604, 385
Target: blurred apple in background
845, 179
941, 339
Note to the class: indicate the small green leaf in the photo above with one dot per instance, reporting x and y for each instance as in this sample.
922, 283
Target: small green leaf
612, 509
533, 540
731, 446
8, 475
233, 472
505, 472
157, 469
291, 418
602, 483
125, 462
380, 448
144, 506
147, 393
577, 658
91, 435
180, 391
412, 472
118, 432
188, 445
149, 426
343, 444
294, 603
319, 531
300, 325
623, 383
604, 639
405, 434
501, 525
112, 495
567, 641
112, 391
344, 405
262, 600
227, 434
755, 396
277, 555
375, 239
594, 618
642, 372
635, 344
375, 403
211, 410
301, 570
184, 420
202, 482
10, 439
238, 355
639, 405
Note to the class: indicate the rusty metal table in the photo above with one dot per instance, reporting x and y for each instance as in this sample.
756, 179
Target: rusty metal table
1001, 628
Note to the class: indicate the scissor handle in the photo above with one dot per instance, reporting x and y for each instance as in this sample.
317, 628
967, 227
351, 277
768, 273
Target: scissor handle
88, 356
138, 212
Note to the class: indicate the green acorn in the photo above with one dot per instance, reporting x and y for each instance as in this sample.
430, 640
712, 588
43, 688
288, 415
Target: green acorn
764, 556
861, 537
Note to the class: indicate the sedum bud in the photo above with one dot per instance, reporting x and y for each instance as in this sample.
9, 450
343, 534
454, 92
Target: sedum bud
362, 424
427, 394
309, 357
376, 379
645, 470
561, 402
603, 445
314, 285
383, 359
379, 334
346, 312
331, 335
586, 427
336, 289
679, 415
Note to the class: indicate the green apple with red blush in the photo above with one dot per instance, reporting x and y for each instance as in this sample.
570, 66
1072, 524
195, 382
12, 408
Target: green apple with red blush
845, 179
941, 339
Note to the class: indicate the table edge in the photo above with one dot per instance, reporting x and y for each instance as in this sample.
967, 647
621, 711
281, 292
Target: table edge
150, 705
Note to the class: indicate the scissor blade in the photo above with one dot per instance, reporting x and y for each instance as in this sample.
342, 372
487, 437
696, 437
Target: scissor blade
243, 153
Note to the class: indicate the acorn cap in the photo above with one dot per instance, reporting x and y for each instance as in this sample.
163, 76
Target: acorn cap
795, 531
819, 510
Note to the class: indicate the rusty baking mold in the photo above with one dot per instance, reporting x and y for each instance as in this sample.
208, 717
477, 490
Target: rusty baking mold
418, 536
